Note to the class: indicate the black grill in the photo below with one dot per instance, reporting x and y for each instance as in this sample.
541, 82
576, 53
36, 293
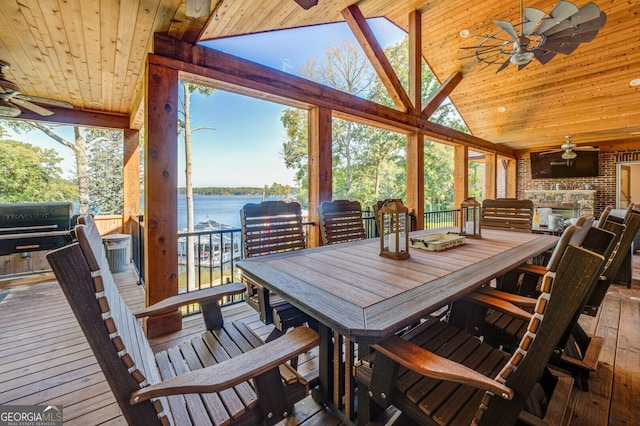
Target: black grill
28, 227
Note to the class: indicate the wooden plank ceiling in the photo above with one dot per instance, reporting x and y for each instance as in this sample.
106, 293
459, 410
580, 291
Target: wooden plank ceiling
91, 54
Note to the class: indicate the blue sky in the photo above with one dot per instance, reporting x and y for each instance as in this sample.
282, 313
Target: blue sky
245, 148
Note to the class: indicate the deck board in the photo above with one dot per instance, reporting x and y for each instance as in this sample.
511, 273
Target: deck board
44, 359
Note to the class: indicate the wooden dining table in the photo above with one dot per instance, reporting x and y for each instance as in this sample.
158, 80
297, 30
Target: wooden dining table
358, 296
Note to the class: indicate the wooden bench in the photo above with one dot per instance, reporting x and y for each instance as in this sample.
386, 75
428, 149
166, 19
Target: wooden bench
224, 376
508, 214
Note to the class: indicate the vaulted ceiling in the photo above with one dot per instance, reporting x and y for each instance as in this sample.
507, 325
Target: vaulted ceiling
91, 54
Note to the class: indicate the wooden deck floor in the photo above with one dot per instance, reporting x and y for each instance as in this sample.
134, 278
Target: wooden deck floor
44, 358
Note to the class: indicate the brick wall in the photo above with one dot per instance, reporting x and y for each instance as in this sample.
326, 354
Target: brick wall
604, 184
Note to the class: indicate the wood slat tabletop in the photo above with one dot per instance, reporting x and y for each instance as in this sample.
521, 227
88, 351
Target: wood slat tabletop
351, 289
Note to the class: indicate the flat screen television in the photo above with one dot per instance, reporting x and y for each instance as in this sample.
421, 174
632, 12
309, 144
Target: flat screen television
553, 166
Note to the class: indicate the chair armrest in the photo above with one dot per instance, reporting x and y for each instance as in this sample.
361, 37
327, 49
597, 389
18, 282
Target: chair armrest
171, 303
509, 297
498, 304
531, 269
431, 365
236, 370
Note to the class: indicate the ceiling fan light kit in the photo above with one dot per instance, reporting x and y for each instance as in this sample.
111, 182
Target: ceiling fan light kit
539, 35
568, 150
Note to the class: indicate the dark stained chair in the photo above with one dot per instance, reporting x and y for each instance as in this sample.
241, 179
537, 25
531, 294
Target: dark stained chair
440, 374
578, 351
224, 376
267, 228
621, 255
341, 221
507, 214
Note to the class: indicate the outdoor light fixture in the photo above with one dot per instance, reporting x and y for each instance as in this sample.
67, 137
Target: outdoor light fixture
470, 211
393, 218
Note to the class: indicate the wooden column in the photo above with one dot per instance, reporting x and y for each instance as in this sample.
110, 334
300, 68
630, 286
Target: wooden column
460, 174
511, 186
490, 175
161, 193
415, 177
131, 178
320, 165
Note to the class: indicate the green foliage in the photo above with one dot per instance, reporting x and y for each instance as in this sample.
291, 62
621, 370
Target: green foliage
105, 180
31, 174
369, 164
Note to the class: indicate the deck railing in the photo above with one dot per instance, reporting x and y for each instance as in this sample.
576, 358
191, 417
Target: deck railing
442, 218
219, 250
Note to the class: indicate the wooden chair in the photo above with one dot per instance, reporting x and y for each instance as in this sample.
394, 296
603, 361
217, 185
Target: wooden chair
440, 374
622, 252
578, 352
267, 228
225, 376
341, 221
507, 214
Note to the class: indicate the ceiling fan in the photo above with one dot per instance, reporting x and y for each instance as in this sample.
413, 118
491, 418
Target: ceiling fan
11, 100
568, 150
539, 36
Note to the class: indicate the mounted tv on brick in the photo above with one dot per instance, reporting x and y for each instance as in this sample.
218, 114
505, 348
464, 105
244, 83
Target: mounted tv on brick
554, 166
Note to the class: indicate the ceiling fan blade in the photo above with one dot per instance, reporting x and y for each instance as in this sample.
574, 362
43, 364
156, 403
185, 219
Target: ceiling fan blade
567, 36
46, 101
32, 107
587, 148
564, 47
586, 13
532, 19
508, 28
551, 151
542, 55
560, 12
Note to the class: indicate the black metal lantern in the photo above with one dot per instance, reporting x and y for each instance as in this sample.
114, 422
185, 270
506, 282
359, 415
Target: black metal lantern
394, 222
470, 212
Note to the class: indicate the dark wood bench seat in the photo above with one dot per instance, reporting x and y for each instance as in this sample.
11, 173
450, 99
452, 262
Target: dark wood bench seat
226, 375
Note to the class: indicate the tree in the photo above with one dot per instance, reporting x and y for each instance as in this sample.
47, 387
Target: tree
84, 140
184, 126
105, 180
31, 174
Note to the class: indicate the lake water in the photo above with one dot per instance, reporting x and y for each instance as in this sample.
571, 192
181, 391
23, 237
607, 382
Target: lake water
221, 208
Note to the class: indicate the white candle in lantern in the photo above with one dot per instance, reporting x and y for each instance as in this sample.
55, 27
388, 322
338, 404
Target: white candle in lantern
469, 228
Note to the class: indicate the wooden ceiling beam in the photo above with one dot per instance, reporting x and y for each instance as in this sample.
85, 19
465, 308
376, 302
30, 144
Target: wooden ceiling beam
441, 94
250, 78
415, 59
78, 118
362, 32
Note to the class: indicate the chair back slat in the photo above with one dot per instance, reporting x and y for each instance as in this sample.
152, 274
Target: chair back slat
271, 227
341, 221
507, 214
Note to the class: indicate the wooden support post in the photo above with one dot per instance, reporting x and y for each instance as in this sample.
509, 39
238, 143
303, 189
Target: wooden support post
320, 165
510, 177
415, 177
490, 175
460, 174
161, 194
131, 177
